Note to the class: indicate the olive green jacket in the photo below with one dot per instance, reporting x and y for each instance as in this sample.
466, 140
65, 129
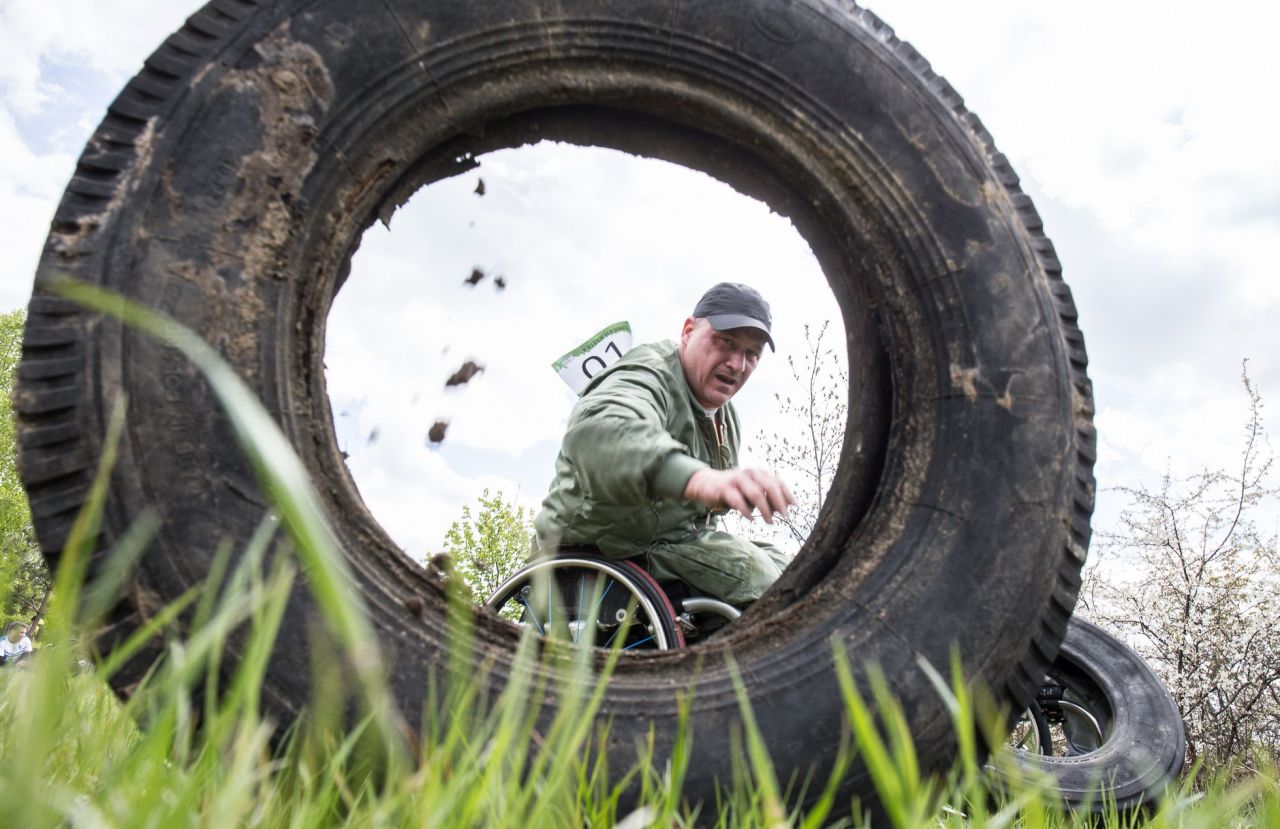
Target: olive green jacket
634, 439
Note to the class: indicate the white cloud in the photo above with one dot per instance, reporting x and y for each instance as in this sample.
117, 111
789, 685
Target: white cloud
28, 194
1126, 108
45, 55
113, 38
1150, 115
414, 494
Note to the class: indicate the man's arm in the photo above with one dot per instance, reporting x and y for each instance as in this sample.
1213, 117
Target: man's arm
745, 490
618, 442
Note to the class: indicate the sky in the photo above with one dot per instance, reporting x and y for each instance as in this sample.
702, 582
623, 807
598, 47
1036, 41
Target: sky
1143, 131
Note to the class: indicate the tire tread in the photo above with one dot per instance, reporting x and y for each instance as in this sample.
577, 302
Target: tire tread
1052, 626
50, 403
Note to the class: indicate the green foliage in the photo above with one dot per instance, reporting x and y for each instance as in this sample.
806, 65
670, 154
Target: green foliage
24, 578
490, 544
11, 324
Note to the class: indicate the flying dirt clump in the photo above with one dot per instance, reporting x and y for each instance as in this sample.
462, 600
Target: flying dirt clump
464, 373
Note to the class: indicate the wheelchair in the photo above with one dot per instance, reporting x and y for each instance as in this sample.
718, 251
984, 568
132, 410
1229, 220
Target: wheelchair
585, 598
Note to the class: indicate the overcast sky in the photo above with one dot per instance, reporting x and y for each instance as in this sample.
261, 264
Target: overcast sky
1145, 132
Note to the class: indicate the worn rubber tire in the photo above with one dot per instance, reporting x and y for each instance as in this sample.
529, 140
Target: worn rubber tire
230, 181
1143, 746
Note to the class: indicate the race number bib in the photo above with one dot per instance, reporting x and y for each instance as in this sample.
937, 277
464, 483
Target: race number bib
599, 352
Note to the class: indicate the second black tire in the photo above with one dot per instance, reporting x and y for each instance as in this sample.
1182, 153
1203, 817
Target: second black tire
229, 184
1141, 745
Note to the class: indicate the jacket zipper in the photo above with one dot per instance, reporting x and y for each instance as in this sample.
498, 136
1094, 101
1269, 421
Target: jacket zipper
715, 427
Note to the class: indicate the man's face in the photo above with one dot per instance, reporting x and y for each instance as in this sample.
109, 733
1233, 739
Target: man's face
16, 634
717, 363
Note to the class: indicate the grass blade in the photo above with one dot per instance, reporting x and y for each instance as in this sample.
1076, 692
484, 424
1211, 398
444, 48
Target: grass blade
287, 483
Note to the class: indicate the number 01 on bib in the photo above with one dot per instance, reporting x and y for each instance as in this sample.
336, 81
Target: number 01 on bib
600, 351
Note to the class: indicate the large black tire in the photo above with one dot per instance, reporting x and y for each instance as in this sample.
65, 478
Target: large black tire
229, 184
1143, 745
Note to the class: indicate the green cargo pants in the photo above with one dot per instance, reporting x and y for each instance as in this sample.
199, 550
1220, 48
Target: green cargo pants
718, 564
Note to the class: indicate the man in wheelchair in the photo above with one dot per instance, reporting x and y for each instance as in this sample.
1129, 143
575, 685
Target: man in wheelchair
649, 459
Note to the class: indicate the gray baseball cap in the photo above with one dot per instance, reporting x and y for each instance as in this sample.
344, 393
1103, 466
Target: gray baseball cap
734, 305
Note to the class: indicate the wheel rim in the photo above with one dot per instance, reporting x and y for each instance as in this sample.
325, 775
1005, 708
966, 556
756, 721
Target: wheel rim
1025, 734
1081, 729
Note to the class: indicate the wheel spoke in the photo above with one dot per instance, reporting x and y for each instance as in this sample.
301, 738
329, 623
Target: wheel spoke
1025, 732
595, 613
529, 609
581, 616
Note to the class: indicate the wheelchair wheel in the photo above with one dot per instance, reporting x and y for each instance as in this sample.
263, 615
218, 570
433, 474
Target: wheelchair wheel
1076, 710
1031, 732
590, 600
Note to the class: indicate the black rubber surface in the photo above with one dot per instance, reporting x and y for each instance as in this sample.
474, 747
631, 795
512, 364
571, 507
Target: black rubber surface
228, 186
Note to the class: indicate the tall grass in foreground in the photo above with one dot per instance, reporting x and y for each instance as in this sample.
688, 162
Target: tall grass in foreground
192, 748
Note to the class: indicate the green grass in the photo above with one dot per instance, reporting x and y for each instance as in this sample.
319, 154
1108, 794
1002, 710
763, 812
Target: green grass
191, 747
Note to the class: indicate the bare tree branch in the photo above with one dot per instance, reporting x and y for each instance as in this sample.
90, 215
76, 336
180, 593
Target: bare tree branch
1199, 602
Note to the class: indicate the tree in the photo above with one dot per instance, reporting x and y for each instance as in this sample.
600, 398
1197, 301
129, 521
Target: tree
1200, 598
486, 548
24, 581
24, 578
806, 455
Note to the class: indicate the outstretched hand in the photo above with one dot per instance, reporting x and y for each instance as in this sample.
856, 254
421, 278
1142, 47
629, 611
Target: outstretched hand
745, 490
